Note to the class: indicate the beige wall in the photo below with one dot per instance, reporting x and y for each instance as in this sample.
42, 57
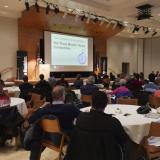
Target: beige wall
8, 45
151, 55
121, 50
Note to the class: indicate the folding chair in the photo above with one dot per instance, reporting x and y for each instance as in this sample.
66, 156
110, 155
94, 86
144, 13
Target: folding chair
52, 127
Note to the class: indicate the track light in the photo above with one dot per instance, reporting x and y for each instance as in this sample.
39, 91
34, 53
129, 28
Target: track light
120, 25
154, 33
47, 8
56, 9
27, 5
37, 6
83, 17
146, 30
136, 29
95, 20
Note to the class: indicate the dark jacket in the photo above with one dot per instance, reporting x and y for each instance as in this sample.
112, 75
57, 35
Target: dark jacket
66, 113
88, 89
97, 136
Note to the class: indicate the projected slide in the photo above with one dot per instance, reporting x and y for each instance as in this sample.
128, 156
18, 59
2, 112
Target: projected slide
67, 50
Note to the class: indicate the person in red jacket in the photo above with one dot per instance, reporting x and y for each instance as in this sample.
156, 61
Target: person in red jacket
4, 98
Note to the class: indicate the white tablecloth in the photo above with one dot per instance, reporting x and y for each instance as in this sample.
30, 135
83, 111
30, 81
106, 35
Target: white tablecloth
78, 93
136, 125
21, 105
9, 83
13, 89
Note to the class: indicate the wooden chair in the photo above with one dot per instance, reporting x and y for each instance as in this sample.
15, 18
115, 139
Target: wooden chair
154, 101
152, 151
53, 126
129, 101
35, 101
86, 99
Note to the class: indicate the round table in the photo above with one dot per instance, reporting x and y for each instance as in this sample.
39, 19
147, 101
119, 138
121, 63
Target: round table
21, 105
13, 89
136, 125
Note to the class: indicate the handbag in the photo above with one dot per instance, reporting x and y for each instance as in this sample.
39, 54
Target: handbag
143, 109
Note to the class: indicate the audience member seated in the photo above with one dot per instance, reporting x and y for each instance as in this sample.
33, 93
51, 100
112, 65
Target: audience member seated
135, 85
44, 88
122, 91
106, 81
151, 86
62, 81
4, 98
98, 136
52, 80
25, 89
66, 113
112, 76
89, 88
71, 98
78, 82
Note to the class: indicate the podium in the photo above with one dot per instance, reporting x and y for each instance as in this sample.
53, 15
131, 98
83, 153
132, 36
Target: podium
44, 69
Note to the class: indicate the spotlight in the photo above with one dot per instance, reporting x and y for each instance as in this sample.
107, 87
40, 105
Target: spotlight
146, 30
47, 8
95, 20
154, 33
83, 17
120, 25
27, 5
56, 9
136, 29
37, 6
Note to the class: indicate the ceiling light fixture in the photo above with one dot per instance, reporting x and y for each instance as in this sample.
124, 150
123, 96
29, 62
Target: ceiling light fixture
83, 17
95, 20
136, 29
27, 5
47, 8
56, 9
146, 30
154, 33
37, 6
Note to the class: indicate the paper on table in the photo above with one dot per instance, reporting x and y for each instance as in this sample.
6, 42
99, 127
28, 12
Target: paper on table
155, 141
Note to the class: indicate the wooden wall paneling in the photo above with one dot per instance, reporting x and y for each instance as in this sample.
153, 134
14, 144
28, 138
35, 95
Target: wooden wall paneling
31, 26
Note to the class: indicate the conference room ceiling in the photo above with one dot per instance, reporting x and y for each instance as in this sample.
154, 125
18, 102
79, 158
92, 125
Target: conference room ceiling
123, 10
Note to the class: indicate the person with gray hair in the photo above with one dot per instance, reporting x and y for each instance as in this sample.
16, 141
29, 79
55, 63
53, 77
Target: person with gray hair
89, 88
66, 113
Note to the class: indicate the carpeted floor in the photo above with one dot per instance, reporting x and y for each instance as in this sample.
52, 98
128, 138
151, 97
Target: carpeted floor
9, 153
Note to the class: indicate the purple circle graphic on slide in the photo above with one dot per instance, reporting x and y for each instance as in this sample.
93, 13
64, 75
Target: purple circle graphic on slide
82, 58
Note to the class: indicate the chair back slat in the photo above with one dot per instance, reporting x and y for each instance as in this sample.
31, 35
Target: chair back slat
129, 101
50, 125
154, 129
86, 98
154, 101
